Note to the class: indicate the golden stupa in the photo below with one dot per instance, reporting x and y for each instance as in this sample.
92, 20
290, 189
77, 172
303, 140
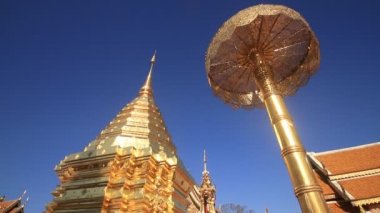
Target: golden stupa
132, 166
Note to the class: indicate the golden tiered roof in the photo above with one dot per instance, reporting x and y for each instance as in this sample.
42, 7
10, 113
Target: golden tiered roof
139, 124
131, 166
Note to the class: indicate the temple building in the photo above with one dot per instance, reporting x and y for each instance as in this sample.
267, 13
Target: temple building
12, 206
131, 166
350, 178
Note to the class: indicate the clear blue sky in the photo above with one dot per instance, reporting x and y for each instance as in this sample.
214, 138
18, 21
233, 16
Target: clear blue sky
67, 67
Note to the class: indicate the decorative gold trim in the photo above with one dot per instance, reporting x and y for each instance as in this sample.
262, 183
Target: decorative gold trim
370, 172
366, 201
278, 118
291, 149
304, 189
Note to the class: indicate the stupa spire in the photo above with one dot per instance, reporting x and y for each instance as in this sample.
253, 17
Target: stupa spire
147, 87
131, 166
204, 161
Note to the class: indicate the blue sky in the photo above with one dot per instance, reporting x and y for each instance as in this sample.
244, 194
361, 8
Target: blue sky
67, 67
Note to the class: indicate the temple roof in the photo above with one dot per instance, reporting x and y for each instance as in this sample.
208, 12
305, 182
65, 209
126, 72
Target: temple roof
360, 158
139, 124
338, 207
11, 206
356, 187
350, 176
326, 188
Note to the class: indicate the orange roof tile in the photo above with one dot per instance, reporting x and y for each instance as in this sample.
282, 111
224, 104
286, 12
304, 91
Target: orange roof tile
326, 188
351, 160
363, 187
338, 207
8, 205
345, 161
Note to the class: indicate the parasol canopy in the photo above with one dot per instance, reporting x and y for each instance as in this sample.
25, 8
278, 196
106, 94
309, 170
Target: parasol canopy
282, 38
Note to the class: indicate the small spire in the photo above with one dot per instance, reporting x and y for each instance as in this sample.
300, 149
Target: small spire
147, 87
204, 161
153, 60
207, 189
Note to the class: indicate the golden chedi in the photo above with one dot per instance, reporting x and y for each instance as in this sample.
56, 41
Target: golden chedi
132, 166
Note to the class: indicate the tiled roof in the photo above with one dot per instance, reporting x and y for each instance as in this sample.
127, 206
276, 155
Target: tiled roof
5, 204
349, 177
326, 188
9, 206
363, 187
337, 207
351, 160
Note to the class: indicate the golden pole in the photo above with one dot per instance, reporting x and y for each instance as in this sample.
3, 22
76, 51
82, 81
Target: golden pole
306, 188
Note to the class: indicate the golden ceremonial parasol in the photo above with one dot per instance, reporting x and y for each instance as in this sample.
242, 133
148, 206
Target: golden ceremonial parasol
258, 56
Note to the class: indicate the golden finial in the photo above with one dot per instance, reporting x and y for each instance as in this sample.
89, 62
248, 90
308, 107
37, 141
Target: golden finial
153, 60
204, 161
147, 87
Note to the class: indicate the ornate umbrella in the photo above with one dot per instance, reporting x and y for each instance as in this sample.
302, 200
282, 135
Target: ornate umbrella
276, 34
258, 56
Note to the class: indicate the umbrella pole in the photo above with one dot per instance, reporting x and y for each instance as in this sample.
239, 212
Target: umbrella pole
306, 188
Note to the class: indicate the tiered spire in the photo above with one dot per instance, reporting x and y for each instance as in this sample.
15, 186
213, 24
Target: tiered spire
147, 87
207, 190
131, 166
139, 124
204, 161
